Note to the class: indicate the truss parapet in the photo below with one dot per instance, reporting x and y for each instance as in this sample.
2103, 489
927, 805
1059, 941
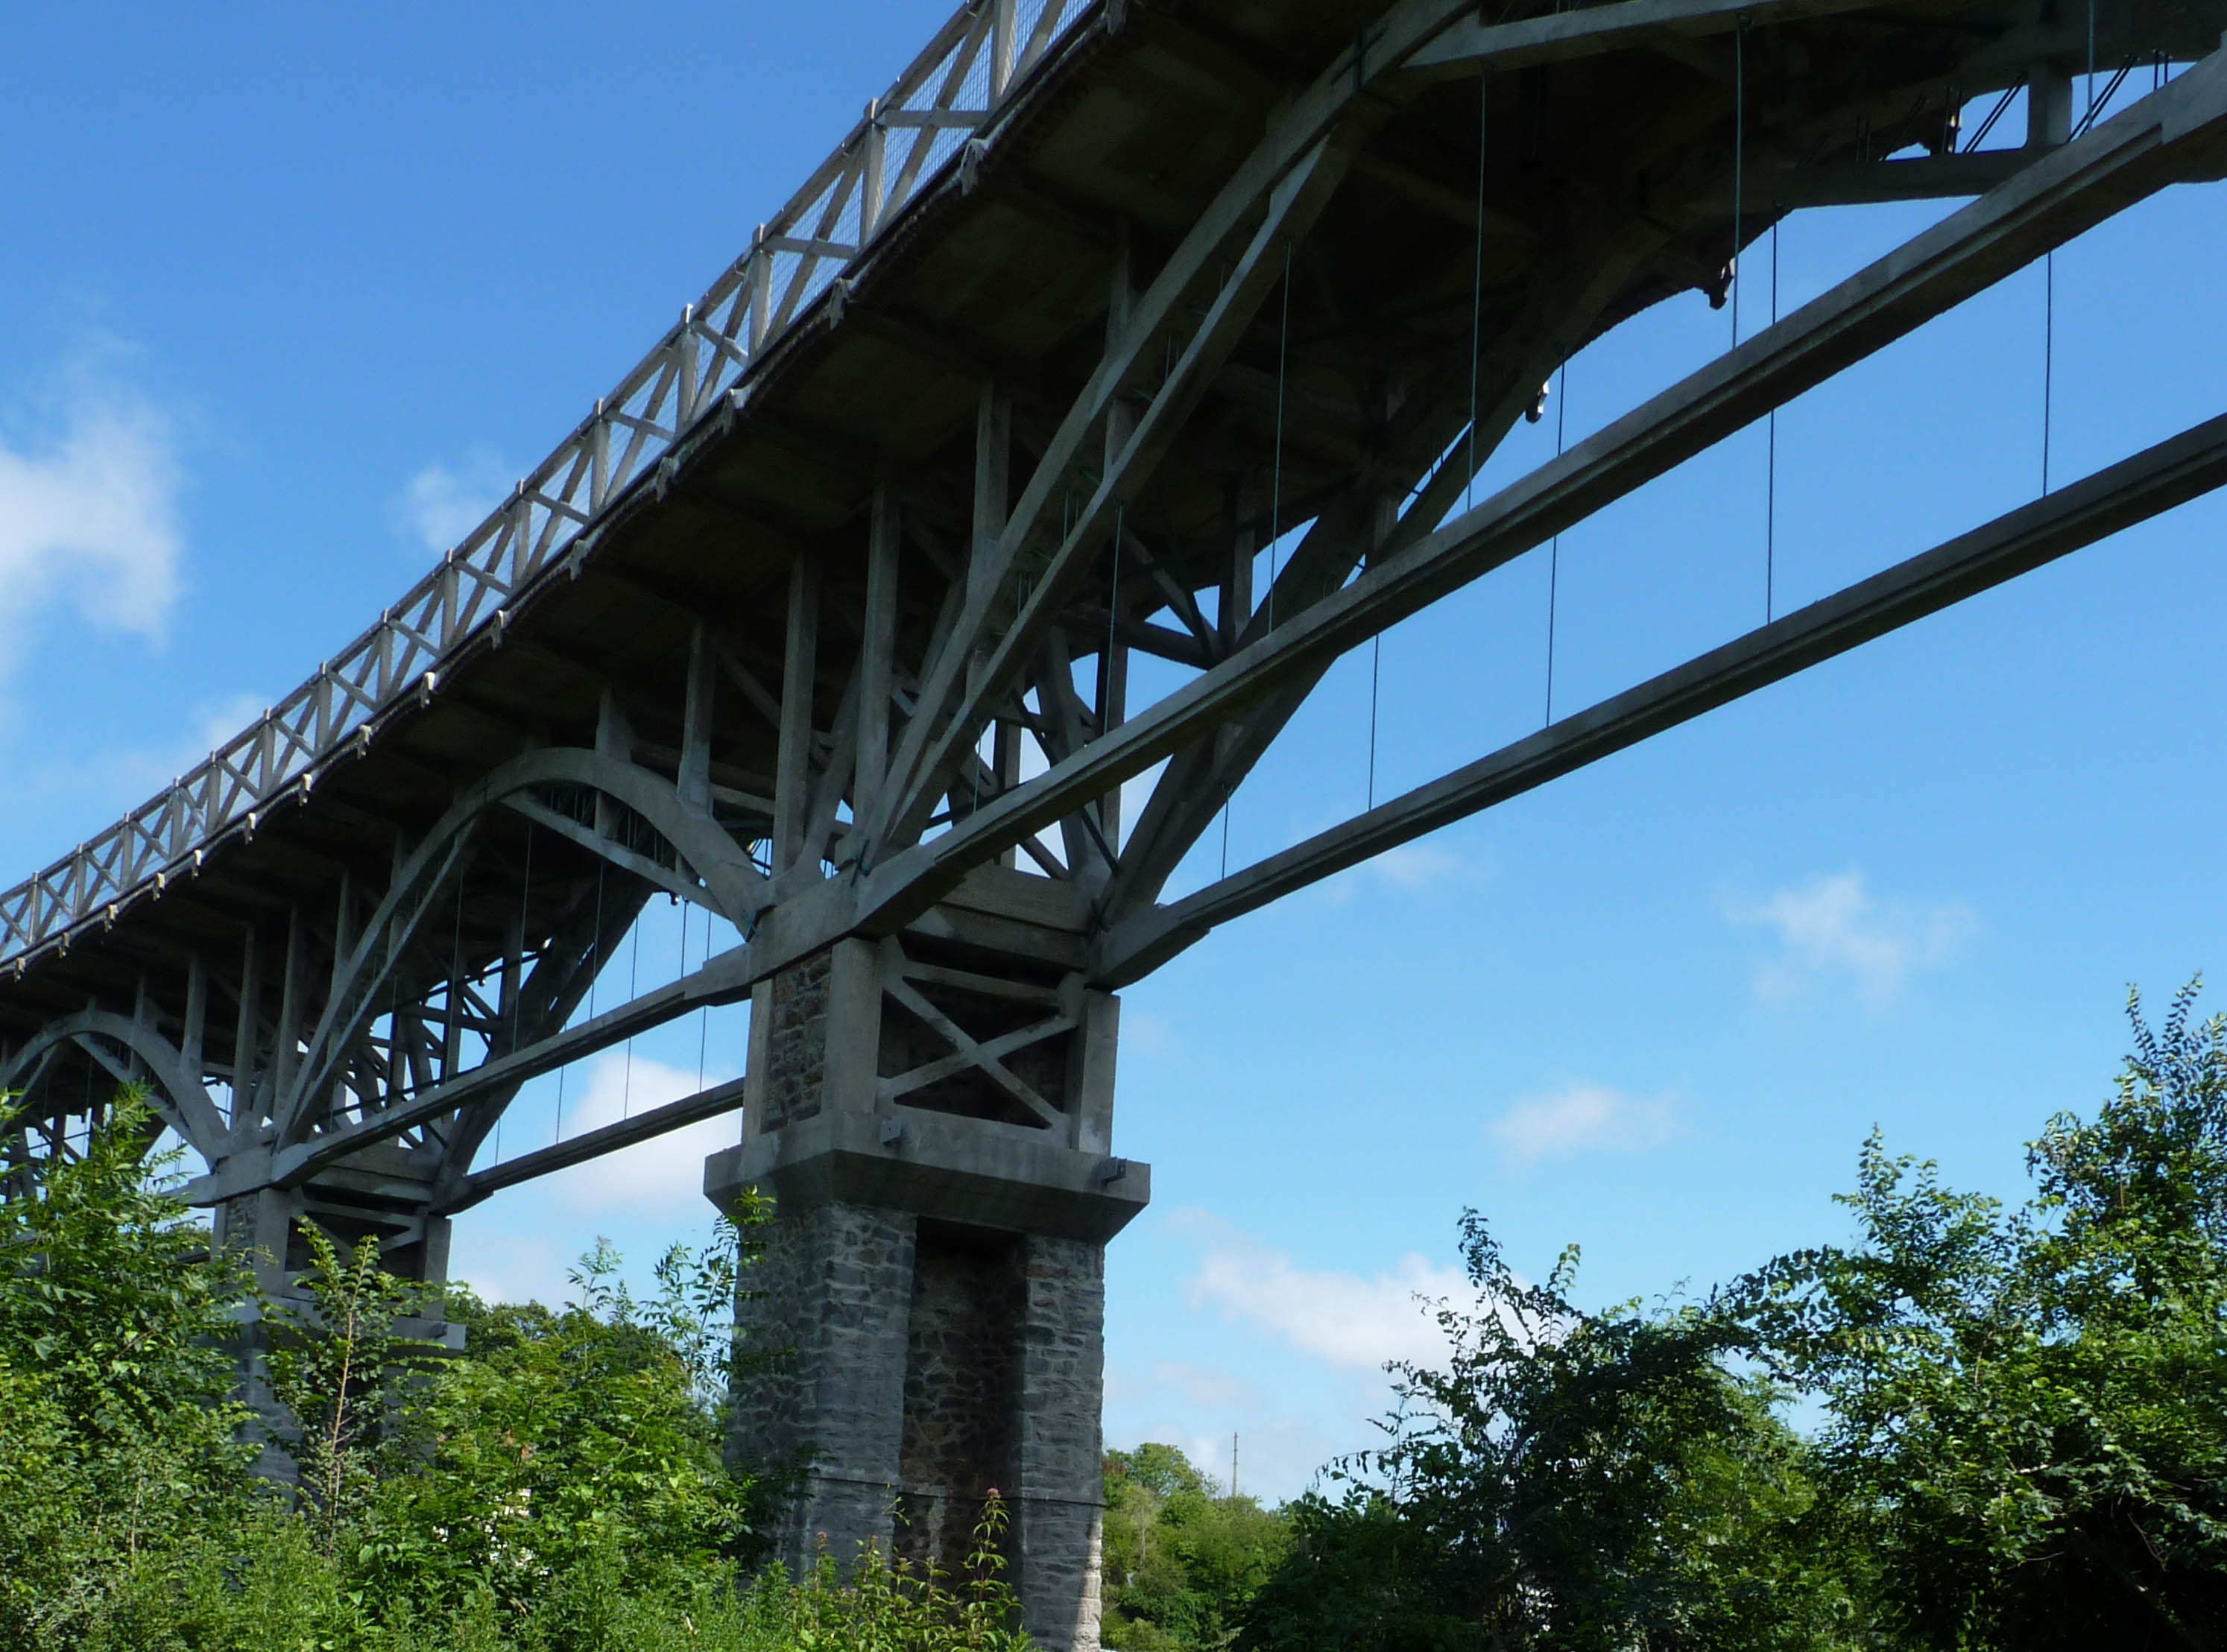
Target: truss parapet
909, 137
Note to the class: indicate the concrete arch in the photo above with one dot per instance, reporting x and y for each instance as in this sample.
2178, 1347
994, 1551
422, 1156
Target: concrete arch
181, 1102
735, 888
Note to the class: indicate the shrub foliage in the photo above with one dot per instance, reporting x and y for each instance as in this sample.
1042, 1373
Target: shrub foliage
559, 1486
2015, 1436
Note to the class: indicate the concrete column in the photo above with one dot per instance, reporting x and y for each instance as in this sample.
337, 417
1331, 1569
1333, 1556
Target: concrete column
927, 1323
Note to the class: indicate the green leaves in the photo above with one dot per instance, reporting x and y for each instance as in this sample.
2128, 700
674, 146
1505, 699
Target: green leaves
558, 1487
2026, 1410
1570, 1479
2021, 1439
575, 1441
115, 1429
107, 1288
340, 1366
895, 1606
1181, 1563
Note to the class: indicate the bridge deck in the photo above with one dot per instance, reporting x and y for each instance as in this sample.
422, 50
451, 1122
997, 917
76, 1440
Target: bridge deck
642, 597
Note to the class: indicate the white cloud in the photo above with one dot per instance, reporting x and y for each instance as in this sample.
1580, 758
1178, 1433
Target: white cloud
89, 511
1834, 925
663, 1175
1147, 1035
1362, 1323
1204, 1386
1413, 868
507, 1266
217, 721
1579, 1118
1416, 865
441, 504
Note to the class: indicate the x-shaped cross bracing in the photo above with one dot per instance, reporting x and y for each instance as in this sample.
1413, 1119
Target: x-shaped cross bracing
968, 1053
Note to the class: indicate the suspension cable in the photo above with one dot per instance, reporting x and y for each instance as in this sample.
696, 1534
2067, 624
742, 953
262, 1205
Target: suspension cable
1771, 460
1554, 551
1105, 683
595, 969
1275, 488
595, 944
2048, 356
1276, 468
633, 976
454, 1040
518, 987
525, 909
1375, 660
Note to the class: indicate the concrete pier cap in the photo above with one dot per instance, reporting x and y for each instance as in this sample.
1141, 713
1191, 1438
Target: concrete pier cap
931, 1116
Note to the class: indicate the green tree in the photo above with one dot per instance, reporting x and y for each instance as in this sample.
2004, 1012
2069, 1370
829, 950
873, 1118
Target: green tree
115, 1427
564, 1444
1569, 1480
1181, 1561
2027, 1411
348, 1379
557, 1488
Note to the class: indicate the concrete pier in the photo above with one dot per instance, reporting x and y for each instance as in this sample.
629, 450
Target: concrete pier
932, 1116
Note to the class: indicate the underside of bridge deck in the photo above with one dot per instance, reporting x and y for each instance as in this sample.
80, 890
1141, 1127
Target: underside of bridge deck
1172, 330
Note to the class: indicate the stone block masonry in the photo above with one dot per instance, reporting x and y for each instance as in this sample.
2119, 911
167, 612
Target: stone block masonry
928, 1320
905, 1365
1056, 1517
822, 1391
962, 1384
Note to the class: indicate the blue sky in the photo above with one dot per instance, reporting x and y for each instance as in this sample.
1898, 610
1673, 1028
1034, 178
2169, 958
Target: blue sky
288, 293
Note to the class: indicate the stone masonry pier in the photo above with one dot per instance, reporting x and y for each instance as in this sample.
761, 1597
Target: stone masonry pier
931, 1115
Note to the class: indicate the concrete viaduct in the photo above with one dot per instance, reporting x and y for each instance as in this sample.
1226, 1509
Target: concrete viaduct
1115, 327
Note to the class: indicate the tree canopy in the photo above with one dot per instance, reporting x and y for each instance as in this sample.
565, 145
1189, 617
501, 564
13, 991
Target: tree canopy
2019, 1439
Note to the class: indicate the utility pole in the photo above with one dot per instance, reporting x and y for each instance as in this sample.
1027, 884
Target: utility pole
1233, 1465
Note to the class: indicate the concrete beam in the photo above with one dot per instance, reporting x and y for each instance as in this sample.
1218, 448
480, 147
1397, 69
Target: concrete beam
2154, 480
593, 1144
1473, 44
1291, 172
2173, 133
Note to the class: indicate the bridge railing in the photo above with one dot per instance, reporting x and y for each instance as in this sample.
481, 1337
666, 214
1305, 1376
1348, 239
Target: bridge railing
908, 137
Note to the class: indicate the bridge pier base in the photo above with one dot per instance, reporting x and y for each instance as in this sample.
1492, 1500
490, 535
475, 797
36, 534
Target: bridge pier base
931, 1117
266, 1228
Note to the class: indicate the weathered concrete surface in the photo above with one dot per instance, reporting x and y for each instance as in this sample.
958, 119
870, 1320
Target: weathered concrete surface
927, 1325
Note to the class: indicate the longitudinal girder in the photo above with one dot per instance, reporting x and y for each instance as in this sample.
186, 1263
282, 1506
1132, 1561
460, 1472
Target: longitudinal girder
822, 622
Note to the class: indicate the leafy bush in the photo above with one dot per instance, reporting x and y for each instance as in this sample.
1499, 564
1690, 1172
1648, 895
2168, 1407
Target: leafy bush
558, 1488
1181, 1562
2027, 1411
113, 1381
1569, 1480
2022, 1444
564, 1444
